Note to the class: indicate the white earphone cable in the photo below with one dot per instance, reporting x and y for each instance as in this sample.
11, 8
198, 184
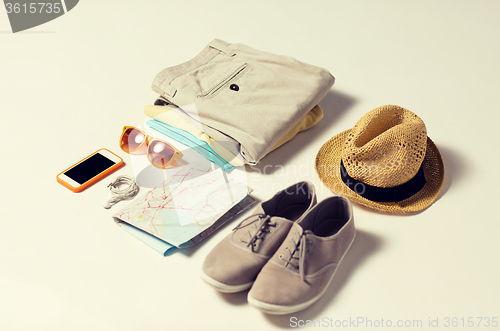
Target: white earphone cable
127, 193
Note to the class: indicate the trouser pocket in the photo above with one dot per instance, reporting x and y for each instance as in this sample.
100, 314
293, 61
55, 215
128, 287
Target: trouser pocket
224, 82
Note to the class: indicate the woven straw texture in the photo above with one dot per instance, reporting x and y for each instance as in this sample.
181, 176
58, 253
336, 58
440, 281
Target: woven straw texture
385, 148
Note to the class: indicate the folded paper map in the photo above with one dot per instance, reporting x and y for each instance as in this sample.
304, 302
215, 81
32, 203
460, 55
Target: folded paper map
185, 208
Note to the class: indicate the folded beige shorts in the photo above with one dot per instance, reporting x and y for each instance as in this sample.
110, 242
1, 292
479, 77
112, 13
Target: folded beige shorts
244, 95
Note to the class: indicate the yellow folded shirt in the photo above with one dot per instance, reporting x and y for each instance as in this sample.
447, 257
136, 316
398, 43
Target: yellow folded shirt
312, 117
167, 115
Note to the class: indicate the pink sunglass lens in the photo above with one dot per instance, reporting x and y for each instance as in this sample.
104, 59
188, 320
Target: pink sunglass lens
132, 139
160, 153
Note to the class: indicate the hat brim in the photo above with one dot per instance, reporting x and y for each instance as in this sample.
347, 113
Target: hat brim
327, 166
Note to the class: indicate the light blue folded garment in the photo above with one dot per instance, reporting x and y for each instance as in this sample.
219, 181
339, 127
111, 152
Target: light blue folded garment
191, 141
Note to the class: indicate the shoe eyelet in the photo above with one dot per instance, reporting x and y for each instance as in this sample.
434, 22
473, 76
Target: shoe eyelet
286, 247
280, 257
241, 240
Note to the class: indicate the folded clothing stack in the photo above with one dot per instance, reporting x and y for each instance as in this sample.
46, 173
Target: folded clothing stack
241, 102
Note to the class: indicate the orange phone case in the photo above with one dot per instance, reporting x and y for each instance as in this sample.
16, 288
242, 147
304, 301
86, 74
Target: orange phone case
93, 180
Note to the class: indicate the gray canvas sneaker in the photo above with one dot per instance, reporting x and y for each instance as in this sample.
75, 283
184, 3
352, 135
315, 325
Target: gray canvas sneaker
234, 263
300, 271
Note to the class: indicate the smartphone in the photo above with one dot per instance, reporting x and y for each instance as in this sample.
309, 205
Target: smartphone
90, 170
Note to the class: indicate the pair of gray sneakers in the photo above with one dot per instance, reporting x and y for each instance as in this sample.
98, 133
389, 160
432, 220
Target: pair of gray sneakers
287, 252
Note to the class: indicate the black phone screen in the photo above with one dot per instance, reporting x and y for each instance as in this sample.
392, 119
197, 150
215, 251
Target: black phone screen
89, 168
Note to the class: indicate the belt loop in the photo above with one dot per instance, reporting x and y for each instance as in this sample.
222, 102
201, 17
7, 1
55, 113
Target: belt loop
167, 90
161, 84
222, 46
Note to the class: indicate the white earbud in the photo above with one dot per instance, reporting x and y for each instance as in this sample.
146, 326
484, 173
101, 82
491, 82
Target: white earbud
127, 193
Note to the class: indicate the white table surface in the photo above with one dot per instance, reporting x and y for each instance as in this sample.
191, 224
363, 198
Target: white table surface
67, 87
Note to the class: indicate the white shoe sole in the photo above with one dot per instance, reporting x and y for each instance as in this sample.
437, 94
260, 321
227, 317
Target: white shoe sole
272, 309
225, 288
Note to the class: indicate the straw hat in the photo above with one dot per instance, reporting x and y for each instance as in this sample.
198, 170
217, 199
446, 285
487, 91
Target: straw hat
385, 162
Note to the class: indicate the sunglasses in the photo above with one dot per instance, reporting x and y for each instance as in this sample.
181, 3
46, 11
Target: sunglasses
160, 153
